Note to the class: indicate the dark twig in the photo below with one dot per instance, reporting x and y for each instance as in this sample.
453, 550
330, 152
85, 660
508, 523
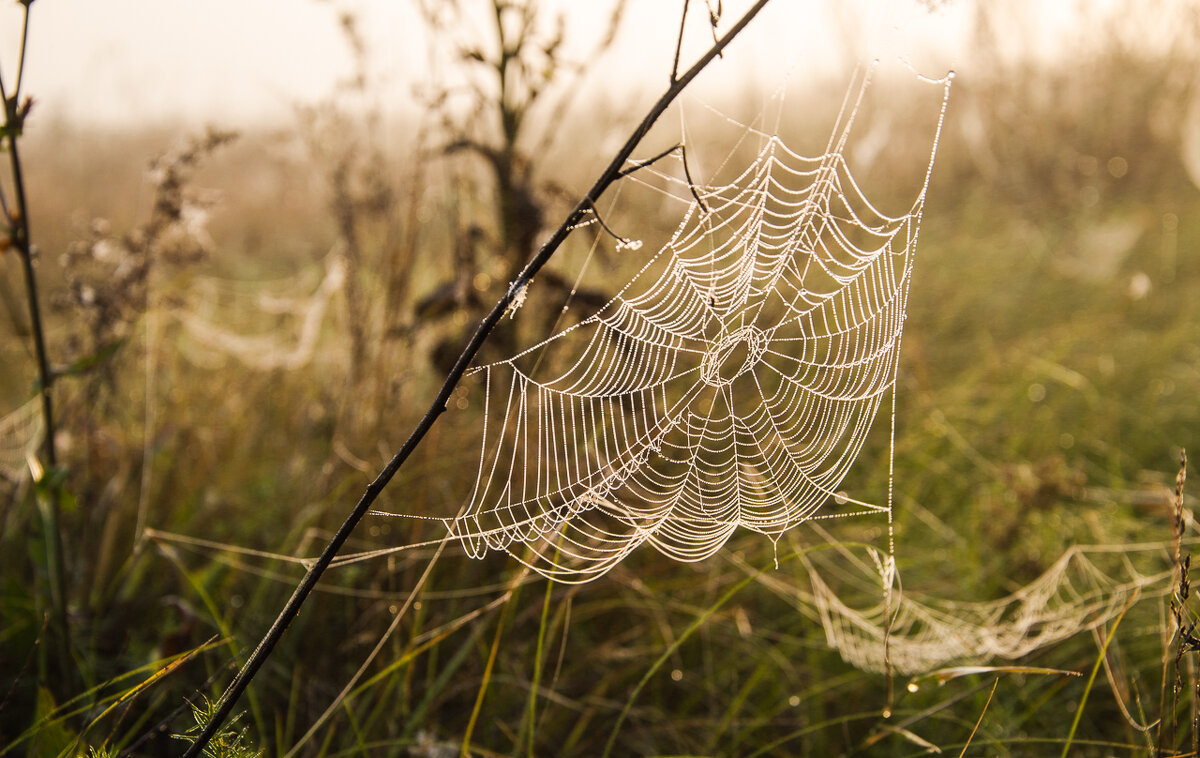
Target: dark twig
623, 241
688, 175
679, 42
639, 165
714, 16
611, 174
1183, 638
18, 225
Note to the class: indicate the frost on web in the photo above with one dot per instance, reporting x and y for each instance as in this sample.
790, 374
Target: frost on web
731, 383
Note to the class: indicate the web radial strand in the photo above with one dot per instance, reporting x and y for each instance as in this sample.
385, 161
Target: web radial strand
730, 384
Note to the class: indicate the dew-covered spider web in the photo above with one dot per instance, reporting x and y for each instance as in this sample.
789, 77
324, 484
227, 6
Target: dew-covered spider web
730, 384
263, 325
21, 432
1086, 587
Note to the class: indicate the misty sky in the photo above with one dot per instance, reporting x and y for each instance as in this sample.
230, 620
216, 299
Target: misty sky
234, 61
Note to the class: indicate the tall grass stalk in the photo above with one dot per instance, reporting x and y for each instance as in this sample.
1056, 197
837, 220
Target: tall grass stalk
670, 650
61, 675
349, 689
979, 721
539, 650
219, 620
1183, 637
104, 699
1112, 633
510, 600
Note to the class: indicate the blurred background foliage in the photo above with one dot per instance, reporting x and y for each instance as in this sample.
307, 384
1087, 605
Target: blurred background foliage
1048, 379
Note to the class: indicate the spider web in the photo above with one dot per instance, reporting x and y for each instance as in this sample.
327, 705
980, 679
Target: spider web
1084, 589
265, 326
731, 383
21, 433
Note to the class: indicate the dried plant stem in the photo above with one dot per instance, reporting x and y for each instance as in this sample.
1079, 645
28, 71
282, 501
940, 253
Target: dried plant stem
979, 721
48, 497
611, 173
1112, 633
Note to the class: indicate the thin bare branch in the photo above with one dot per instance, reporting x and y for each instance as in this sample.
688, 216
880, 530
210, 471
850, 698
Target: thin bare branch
623, 241
679, 42
688, 175
639, 165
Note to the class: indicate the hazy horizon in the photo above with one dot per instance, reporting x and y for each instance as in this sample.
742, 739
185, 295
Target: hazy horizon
129, 62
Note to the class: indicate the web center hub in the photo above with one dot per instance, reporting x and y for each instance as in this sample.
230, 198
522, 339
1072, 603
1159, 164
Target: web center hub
733, 355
